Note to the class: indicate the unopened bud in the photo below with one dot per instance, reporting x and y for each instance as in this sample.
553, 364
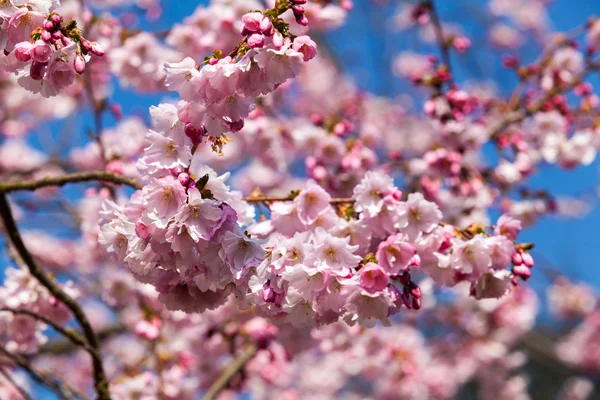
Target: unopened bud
79, 64
37, 71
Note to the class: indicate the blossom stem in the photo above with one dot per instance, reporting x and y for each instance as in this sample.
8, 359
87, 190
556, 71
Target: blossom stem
62, 180
229, 372
100, 381
439, 35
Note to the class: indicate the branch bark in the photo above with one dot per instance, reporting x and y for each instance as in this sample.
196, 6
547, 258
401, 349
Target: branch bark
229, 372
103, 176
63, 390
100, 381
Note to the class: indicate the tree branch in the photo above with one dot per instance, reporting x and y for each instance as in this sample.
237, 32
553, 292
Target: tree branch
19, 389
100, 381
519, 115
6, 187
439, 34
265, 199
229, 372
63, 390
72, 335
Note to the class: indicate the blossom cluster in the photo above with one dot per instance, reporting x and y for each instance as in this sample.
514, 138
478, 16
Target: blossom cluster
23, 333
43, 50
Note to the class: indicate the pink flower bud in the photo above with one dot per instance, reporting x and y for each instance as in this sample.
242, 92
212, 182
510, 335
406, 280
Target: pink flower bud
521, 271
117, 111
56, 19
195, 134
416, 303
268, 294
299, 1
184, 178
256, 40
48, 25
37, 71
141, 230
277, 40
41, 51
97, 49
79, 64
236, 126
347, 4
213, 61
177, 170
57, 35
301, 19
527, 259
517, 259
298, 10
23, 51
252, 21
266, 26
306, 46
46, 36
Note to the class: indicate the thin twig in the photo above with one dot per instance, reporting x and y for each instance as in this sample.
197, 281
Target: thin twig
17, 387
62, 180
267, 199
63, 390
519, 115
73, 336
100, 381
441, 39
229, 372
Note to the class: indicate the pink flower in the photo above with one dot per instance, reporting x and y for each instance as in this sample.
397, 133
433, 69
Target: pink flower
334, 254
492, 285
252, 21
373, 277
279, 65
312, 202
395, 254
164, 197
471, 257
60, 74
508, 226
502, 250
23, 51
306, 46
199, 217
180, 78
418, 215
256, 41
41, 51
370, 191
22, 23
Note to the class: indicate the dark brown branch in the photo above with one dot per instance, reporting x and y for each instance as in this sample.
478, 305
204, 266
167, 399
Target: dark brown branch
66, 346
229, 372
100, 381
62, 180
